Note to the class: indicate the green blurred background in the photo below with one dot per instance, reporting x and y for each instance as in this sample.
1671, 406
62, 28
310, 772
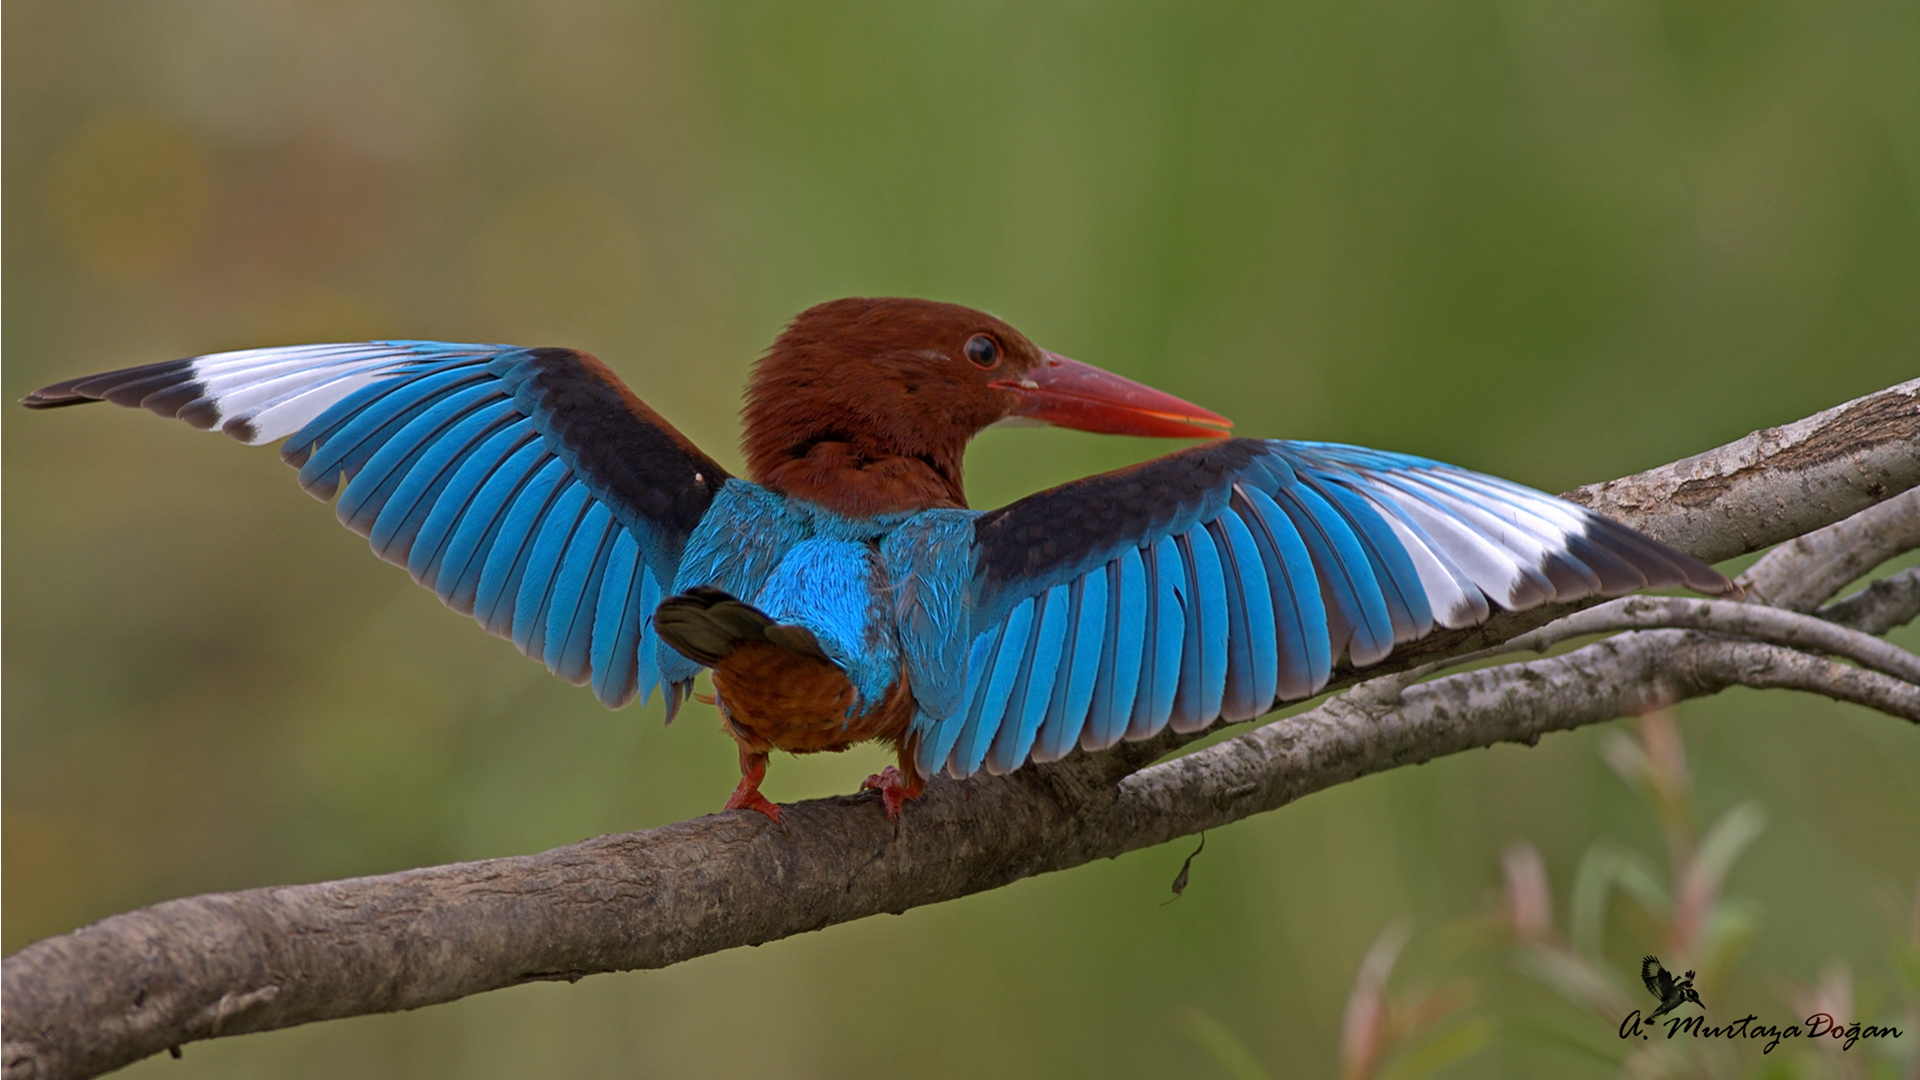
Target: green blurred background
1556, 241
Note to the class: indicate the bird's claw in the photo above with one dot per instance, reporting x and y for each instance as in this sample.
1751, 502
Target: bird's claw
892, 788
746, 795
753, 800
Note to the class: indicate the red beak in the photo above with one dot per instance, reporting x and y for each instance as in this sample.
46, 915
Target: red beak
1070, 394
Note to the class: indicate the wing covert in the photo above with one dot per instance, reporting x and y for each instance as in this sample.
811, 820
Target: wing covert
528, 488
1221, 581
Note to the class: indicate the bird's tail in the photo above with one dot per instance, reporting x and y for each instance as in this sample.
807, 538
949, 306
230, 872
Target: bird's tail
706, 625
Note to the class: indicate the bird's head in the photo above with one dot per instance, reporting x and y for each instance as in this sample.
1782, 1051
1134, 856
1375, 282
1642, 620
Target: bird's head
867, 405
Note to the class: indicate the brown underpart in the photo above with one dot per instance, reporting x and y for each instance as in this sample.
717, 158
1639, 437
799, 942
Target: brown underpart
778, 699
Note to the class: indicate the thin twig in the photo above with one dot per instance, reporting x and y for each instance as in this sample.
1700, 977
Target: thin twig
1892, 601
1805, 572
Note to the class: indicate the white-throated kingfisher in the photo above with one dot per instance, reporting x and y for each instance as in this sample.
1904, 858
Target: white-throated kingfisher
844, 591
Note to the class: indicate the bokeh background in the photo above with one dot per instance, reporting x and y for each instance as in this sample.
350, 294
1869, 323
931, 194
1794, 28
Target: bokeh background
1556, 241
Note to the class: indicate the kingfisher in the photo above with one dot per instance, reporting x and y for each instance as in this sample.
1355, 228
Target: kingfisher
1672, 992
843, 591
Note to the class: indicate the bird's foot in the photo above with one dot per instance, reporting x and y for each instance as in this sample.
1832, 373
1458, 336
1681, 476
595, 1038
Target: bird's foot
894, 790
746, 796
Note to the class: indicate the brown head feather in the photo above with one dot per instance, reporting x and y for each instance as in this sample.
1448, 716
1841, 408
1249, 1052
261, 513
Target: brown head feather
866, 406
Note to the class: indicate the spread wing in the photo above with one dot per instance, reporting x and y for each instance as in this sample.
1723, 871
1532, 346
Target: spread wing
1658, 981
1222, 580
529, 488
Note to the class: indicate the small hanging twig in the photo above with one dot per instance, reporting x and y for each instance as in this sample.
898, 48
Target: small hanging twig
1180, 879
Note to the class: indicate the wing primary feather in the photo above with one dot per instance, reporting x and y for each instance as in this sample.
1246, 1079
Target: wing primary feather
368, 420
1303, 651
1393, 569
430, 543
533, 599
398, 525
1203, 664
1537, 517
976, 733
1493, 570
1033, 686
387, 468
501, 549
990, 706
570, 609
1358, 615
1088, 625
1253, 660
617, 618
1452, 597
1117, 680
1494, 545
1166, 625
981, 664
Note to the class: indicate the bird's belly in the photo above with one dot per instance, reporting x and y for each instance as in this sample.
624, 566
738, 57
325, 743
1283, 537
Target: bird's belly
800, 704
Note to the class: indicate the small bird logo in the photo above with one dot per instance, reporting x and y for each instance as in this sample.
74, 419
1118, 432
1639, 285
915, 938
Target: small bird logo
1661, 984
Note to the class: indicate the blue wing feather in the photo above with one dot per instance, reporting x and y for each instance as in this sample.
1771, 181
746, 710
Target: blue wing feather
990, 703
571, 605
1253, 655
387, 467
1357, 616
1166, 623
472, 543
532, 604
1118, 679
397, 528
1393, 570
427, 556
1235, 574
527, 481
392, 403
618, 618
508, 544
938, 745
1073, 693
1203, 663
1033, 686
1304, 650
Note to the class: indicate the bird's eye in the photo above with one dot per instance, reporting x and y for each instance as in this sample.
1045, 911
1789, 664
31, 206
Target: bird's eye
983, 351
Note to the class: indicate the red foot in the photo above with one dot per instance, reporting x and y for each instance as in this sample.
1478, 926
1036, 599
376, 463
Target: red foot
894, 790
746, 796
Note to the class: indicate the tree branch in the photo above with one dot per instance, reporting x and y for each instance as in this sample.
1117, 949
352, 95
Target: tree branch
1777, 483
1360, 732
221, 964
1892, 601
1788, 628
1801, 573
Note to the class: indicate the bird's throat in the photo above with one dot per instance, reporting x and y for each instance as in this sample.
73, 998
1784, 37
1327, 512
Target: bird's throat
838, 476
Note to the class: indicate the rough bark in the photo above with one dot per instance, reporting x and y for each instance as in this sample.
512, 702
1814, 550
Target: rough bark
221, 964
